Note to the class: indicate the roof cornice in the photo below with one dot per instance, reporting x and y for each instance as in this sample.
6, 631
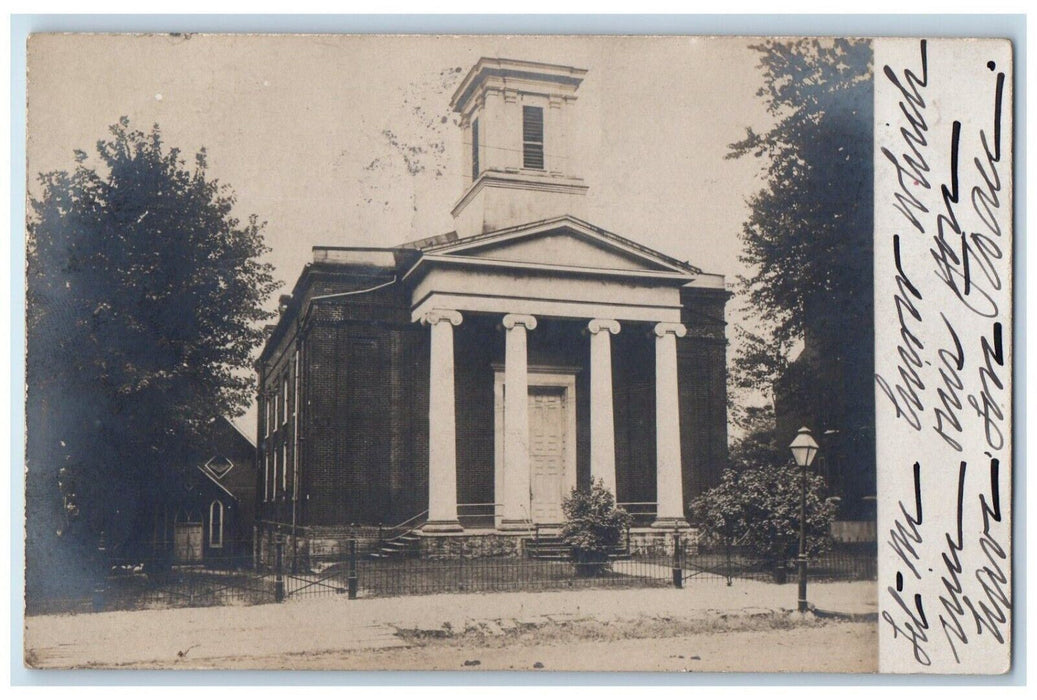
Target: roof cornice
566, 77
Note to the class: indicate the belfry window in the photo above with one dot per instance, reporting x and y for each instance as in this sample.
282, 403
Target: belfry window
532, 137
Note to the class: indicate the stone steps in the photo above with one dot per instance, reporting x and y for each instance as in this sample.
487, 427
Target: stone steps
554, 549
404, 546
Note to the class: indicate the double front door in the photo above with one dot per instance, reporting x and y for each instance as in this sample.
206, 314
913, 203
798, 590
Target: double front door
552, 445
547, 449
187, 543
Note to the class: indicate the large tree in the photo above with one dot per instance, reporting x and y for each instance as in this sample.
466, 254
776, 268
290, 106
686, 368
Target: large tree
808, 243
808, 239
145, 300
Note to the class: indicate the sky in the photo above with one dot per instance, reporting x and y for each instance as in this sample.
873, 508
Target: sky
349, 140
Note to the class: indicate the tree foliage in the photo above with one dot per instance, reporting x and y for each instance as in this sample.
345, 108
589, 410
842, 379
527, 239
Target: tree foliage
758, 447
144, 303
759, 509
808, 238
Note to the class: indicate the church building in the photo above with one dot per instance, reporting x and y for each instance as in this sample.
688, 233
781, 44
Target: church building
460, 386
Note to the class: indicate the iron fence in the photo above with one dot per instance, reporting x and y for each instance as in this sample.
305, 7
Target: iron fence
359, 573
417, 576
162, 581
841, 563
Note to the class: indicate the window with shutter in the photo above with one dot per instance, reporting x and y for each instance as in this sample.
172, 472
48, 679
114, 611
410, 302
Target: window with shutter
273, 482
266, 475
475, 149
284, 468
532, 137
284, 401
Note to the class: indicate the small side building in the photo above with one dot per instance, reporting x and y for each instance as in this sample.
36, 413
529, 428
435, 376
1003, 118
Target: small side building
208, 516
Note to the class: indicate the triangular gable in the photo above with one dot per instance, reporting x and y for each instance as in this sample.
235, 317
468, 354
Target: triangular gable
567, 242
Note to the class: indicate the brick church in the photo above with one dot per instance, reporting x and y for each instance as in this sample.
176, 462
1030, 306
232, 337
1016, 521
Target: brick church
460, 386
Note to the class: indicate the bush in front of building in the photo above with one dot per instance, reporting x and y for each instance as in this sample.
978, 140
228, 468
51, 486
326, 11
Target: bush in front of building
593, 527
757, 511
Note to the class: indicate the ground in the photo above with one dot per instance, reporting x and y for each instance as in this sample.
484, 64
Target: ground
704, 627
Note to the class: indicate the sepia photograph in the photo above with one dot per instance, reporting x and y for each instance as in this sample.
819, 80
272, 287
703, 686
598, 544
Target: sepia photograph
468, 353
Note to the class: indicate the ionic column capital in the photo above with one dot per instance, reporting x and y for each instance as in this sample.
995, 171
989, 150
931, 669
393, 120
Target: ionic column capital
608, 325
526, 321
678, 329
431, 318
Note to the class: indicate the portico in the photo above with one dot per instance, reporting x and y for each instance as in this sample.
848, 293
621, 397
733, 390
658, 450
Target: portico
520, 278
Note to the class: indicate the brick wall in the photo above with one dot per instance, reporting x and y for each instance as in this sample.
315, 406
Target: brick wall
702, 367
366, 424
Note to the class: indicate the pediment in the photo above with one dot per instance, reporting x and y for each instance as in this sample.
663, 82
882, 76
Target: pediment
567, 246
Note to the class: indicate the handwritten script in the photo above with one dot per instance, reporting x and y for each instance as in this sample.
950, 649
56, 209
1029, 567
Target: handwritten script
943, 273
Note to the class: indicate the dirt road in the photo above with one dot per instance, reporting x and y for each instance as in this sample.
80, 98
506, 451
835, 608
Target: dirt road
747, 626
843, 647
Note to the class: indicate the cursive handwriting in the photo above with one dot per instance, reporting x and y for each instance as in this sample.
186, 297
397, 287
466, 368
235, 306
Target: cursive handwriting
945, 367
993, 609
951, 364
906, 398
952, 602
911, 165
990, 381
904, 537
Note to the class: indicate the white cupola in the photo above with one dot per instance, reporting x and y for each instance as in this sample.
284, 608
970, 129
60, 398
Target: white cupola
518, 155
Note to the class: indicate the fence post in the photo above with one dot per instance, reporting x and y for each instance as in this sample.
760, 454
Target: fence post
352, 579
460, 565
97, 597
678, 572
279, 571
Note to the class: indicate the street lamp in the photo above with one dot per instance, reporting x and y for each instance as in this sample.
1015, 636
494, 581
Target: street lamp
804, 449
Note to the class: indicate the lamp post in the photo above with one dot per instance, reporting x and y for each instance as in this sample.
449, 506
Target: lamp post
804, 449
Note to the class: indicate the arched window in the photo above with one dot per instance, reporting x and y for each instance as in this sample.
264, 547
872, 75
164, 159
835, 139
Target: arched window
216, 524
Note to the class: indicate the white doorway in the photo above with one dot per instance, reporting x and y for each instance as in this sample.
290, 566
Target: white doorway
552, 442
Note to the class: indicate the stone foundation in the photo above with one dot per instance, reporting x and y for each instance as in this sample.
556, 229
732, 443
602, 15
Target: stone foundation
311, 547
472, 545
314, 548
652, 542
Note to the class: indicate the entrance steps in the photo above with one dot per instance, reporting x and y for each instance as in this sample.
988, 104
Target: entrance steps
403, 546
553, 548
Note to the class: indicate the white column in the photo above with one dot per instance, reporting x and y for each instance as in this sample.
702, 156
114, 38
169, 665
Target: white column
603, 434
516, 513
669, 486
442, 447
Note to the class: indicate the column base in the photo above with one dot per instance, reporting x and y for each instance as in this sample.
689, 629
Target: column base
442, 526
515, 526
671, 523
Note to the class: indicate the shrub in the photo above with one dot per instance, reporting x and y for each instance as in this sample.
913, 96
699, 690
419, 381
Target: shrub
759, 509
593, 527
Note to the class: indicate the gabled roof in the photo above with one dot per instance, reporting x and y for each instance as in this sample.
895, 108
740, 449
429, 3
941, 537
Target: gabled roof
239, 431
600, 248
